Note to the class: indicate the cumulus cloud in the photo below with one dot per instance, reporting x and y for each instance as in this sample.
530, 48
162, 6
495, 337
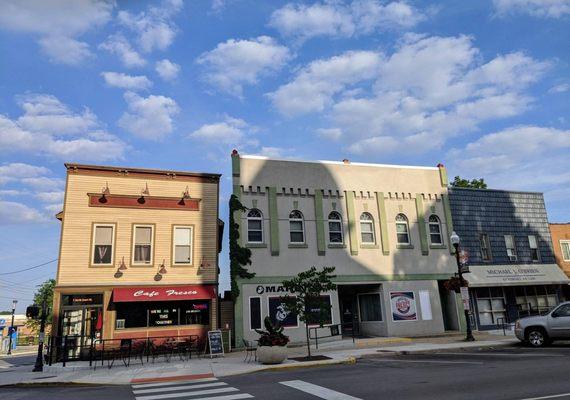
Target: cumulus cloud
333, 134
17, 213
231, 131
167, 70
561, 88
57, 25
337, 19
149, 117
117, 44
235, 63
49, 127
124, 81
535, 8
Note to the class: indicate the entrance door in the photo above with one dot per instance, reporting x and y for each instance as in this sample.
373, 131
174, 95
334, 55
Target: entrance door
79, 329
349, 316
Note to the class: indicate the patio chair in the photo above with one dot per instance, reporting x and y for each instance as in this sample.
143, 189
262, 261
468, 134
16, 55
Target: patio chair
250, 350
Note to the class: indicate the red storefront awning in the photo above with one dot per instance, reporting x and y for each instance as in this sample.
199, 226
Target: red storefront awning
164, 293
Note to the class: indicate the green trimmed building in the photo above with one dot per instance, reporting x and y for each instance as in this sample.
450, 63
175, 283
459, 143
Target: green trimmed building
385, 228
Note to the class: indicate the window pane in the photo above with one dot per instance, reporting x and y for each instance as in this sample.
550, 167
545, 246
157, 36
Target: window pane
335, 237
565, 250
484, 305
367, 237
434, 228
334, 226
104, 235
102, 254
182, 254
163, 315
498, 305
370, 307
401, 228
532, 242
134, 314
254, 224
297, 237
143, 234
296, 225
254, 236
496, 292
142, 253
195, 313
365, 227
486, 318
255, 313
499, 317
182, 236
403, 238
435, 238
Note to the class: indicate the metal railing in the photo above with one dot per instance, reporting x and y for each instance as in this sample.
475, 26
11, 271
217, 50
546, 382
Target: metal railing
333, 330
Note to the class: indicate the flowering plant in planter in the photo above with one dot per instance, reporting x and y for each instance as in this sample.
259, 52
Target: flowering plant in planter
272, 335
454, 284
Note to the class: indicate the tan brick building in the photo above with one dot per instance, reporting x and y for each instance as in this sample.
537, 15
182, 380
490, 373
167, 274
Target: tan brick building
561, 242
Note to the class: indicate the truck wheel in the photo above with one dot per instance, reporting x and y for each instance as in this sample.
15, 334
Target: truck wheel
536, 337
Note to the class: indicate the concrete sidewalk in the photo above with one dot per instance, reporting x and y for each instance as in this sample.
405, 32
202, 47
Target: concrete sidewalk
232, 364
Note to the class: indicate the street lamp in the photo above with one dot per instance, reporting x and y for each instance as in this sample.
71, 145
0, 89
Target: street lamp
455, 240
11, 331
39, 365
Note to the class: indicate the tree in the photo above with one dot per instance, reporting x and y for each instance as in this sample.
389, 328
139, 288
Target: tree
239, 256
44, 293
306, 289
465, 183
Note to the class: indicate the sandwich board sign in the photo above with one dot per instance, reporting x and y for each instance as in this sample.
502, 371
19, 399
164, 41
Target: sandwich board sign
215, 343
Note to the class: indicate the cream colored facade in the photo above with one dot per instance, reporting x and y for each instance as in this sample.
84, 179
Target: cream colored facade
163, 209
277, 187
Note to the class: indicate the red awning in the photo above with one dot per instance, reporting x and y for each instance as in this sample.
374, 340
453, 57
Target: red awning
164, 293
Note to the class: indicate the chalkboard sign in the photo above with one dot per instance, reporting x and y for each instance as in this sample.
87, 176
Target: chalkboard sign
215, 343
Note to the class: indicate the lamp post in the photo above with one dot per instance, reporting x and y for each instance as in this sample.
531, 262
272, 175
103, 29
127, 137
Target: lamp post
455, 240
39, 365
11, 331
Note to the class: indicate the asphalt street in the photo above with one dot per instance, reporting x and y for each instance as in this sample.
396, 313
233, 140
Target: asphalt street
514, 373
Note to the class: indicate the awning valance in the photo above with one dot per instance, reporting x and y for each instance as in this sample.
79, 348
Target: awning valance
164, 293
515, 275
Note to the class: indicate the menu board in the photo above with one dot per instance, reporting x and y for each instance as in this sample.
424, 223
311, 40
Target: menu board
215, 343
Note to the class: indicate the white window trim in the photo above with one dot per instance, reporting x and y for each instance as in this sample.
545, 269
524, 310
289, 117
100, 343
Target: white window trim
381, 307
174, 227
269, 312
514, 248
532, 248
302, 228
92, 261
260, 311
135, 226
341, 229
373, 231
484, 238
562, 250
438, 224
255, 219
407, 224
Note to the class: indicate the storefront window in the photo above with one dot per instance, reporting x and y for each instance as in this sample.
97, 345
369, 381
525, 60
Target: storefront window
536, 299
162, 313
491, 305
195, 313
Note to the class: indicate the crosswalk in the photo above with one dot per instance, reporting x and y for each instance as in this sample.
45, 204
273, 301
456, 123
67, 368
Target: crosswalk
197, 389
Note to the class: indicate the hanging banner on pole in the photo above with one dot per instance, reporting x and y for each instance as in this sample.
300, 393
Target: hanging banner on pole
465, 298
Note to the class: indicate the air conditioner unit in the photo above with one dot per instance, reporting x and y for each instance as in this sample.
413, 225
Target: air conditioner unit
513, 258
120, 324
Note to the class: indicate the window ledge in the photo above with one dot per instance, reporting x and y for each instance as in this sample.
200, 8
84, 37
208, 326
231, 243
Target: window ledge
437, 246
298, 245
405, 246
256, 245
336, 246
369, 246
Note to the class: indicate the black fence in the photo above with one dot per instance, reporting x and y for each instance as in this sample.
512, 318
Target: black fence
346, 330
100, 352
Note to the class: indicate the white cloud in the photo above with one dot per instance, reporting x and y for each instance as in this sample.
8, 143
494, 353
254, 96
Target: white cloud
231, 131
16, 213
124, 81
333, 134
154, 27
562, 88
57, 24
50, 197
338, 19
235, 63
314, 86
117, 44
49, 127
386, 103
167, 70
15, 171
536, 8
44, 183
274, 152
149, 117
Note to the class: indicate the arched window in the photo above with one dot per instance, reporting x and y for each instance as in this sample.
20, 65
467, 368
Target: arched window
402, 229
296, 227
254, 226
435, 230
335, 228
366, 228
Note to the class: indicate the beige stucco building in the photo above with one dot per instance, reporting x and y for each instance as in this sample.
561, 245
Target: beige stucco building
385, 228
138, 254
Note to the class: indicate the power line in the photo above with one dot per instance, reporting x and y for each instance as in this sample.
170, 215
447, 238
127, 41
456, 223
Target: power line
28, 268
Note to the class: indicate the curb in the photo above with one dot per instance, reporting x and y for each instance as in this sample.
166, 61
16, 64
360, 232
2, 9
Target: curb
308, 364
430, 351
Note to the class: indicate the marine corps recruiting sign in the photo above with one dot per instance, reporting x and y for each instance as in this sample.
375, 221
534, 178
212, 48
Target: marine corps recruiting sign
403, 306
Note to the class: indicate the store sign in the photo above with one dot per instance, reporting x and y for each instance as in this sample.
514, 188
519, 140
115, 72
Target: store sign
505, 275
164, 293
270, 289
82, 299
403, 306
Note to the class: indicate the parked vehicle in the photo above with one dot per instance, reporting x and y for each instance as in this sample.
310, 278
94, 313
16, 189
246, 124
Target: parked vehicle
541, 330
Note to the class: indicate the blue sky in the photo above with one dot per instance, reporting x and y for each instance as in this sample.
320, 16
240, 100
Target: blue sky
482, 87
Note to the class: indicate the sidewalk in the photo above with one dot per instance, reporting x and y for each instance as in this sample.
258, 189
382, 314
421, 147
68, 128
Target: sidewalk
232, 364
20, 351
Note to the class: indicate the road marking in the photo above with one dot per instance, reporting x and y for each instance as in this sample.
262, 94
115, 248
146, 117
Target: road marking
318, 391
433, 362
175, 388
188, 393
159, 384
503, 354
554, 396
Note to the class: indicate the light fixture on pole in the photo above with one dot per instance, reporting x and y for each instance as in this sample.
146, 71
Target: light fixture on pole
455, 241
11, 330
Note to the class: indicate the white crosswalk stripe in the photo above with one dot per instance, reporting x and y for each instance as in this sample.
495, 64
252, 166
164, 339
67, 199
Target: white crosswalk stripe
318, 391
198, 389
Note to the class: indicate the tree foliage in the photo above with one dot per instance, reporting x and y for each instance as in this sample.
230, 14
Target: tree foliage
466, 183
44, 294
239, 256
306, 289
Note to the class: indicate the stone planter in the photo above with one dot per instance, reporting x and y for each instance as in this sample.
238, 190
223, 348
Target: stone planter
271, 354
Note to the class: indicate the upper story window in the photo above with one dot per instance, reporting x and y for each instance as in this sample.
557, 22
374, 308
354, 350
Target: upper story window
103, 242
254, 226
402, 229
183, 238
142, 244
335, 228
435, 236
533, 244
485, 247
296, 227
511, 247
366, 228
565, 246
